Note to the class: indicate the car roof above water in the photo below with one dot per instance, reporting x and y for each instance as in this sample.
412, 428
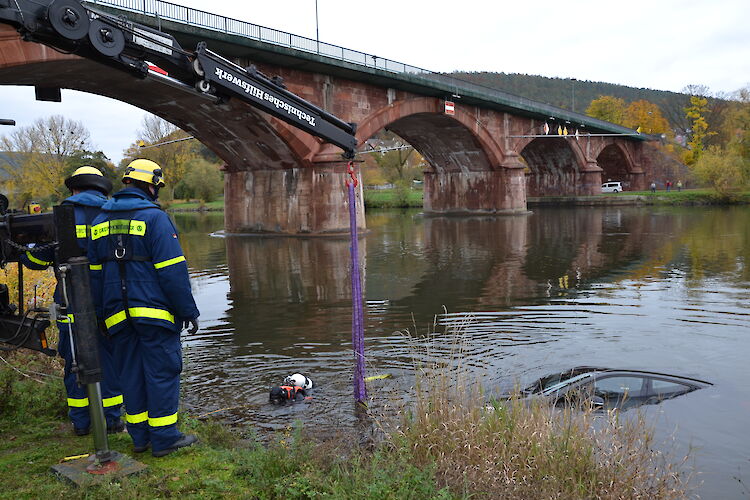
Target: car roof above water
582, 372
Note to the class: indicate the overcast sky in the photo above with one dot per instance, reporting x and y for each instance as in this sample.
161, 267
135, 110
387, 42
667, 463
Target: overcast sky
657, 44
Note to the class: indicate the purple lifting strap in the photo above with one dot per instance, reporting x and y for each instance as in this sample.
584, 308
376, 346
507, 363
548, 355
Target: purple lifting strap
358, 326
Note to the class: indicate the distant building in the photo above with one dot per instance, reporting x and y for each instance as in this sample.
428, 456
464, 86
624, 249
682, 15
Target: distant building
681, 140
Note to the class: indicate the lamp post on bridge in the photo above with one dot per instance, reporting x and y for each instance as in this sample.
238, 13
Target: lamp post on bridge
317, 33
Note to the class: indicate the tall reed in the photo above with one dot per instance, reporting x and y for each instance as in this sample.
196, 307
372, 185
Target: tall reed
520, 448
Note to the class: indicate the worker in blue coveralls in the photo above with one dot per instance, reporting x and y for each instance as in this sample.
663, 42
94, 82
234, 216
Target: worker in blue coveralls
89, 190
143, 294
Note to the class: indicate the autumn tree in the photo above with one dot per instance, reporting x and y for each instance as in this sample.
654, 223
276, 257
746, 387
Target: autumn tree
203, 180
646, 116
718, 104
723, 169
737, 124
155, 144
42, 154
397, 160
699, 128
607, 108
726, 169
95, 159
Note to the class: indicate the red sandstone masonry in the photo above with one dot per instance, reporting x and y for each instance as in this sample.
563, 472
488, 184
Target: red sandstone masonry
280, 178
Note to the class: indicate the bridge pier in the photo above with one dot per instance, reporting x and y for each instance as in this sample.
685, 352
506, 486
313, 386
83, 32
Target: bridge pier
637, 180
296, 201
491, 191
591, 179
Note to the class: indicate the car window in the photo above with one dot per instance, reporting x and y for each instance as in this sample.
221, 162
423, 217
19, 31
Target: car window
618, 386
554, 387
668, 388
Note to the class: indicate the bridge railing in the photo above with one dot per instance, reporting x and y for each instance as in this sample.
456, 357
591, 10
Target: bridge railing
202, 19
160, 9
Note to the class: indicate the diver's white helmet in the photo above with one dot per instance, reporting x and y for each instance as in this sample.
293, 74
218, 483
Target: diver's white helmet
299, 380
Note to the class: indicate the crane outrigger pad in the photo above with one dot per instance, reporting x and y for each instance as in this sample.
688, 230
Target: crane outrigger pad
83, 471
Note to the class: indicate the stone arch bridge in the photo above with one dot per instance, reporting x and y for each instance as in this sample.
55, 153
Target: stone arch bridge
487, 157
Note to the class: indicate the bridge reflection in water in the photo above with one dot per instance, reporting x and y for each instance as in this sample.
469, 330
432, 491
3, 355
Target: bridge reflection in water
655, 289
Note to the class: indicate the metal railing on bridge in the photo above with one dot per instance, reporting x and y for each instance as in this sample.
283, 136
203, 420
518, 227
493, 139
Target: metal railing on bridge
160, 9
193, 17
202, 19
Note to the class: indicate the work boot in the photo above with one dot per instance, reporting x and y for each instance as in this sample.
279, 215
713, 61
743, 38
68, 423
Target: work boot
141, 449
82, 431
115, 427
185, 440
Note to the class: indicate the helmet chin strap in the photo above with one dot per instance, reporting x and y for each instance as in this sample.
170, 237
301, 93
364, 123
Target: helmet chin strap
149, 189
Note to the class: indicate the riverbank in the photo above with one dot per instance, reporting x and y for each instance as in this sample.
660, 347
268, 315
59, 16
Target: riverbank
446, 444
691, 197
393, 198
226, 463
196, 206
414, 198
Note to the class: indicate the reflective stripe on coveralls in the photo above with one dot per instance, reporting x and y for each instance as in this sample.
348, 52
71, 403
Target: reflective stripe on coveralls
67, 319
84, 402
137, 418
118, 226
139, 312
152, 421
37, 261
159, 265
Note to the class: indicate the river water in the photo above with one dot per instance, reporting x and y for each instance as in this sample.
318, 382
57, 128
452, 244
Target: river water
658, 289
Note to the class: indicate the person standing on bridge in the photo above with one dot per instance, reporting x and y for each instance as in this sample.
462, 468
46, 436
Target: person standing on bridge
89, 190
143, 294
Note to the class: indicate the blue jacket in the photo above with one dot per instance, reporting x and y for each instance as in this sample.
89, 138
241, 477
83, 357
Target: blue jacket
134, 245
87, 206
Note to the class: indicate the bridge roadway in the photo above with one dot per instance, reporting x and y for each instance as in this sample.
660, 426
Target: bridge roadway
484, 159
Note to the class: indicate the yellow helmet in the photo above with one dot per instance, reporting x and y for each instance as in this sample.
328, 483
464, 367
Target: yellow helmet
145, 171
88, 177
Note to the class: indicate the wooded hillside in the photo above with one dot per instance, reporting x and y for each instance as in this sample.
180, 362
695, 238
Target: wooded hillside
562, 92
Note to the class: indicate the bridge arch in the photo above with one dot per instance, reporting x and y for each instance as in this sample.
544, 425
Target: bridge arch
466, 173
556, 166
455, 143
616, 163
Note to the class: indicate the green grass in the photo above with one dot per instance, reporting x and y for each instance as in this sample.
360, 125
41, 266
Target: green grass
688, 197
390, 198
211, 205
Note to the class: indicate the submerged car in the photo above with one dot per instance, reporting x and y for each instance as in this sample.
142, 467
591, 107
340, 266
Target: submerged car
607, 388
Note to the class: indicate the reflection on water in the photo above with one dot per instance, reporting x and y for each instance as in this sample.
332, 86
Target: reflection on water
653, 289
